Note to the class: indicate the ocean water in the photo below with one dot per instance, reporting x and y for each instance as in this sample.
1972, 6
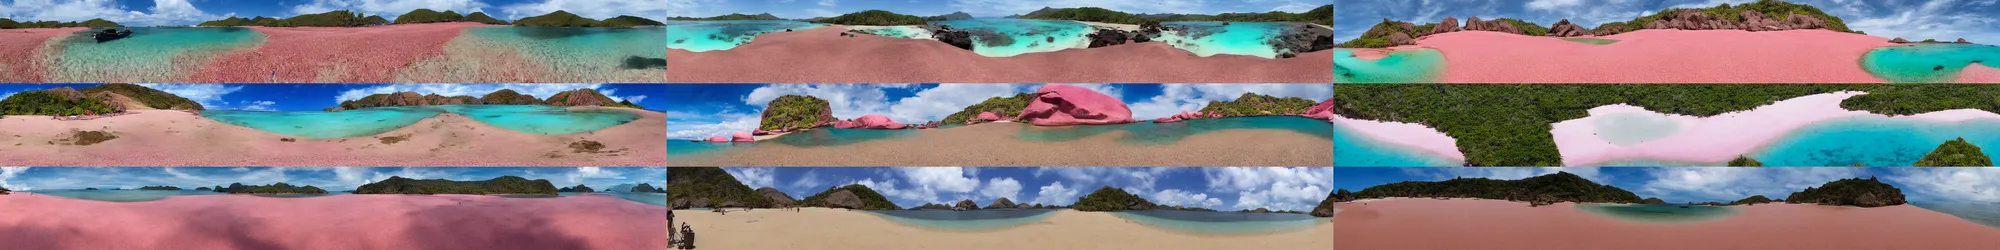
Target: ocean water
699, 36
150, 54
905, 32
542, 119
836, 136
1660, 213
1022, 36
1987, 214
1221, 222
1351, 149
1405, 66
1597, 41
1149, 133
1213, 38
1919, 63
576, 51
683, 147
1874, 141
973, 220
659, 199
323, 125
121, 195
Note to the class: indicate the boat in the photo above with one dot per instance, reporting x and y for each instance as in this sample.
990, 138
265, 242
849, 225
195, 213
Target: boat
112, 34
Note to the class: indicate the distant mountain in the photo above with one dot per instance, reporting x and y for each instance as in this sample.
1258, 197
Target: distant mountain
576, 97
949, 17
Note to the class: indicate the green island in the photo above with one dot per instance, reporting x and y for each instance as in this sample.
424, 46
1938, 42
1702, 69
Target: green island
1955, 153
791, 112
571, 98
566, 19
1850, 192
500, 185
432, 16
92, 23
711, 185
1745, 161
1253, 104
647, 188
205, 188
1110, 199
1003, 106
874, 18
100, 99
160, 188
276, 188
1752, 200
729, 17
579, 188
1322, 15
1537, 191
1508, 125
853, 196
1379, 35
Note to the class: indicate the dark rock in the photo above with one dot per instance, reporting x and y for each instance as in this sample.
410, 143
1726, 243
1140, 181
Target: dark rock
1473, 23
955, 38
1899, 40
842, 199
966, 205
1938, 68
1448, 25
1051, 39
1108, 37
1399, 38
1961, 41
1001, 203
688, 203
1566, 29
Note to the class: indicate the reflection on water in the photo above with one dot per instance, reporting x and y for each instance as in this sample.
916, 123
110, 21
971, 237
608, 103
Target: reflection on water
984, 219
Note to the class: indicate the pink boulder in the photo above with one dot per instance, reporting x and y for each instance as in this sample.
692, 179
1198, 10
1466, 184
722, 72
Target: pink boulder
988, 116
870, 122
760, 132
1323, 110
718, 139
1063, 105
742, 137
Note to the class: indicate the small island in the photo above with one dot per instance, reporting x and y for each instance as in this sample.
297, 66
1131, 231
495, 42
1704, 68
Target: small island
571, 98
1322, 15
875, 18
1003, 107
1253, 104
1745, 161
345, 18
565, 19
275, 188
852, 196
160, 188
1109, 199
579, 188
794, 112
1850, 192
500, 185
1955, 153
92, 23
1537, 191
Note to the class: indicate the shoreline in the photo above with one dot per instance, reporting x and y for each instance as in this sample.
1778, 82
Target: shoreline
1492, 224
998, 145
1423, 139
1722, 137
1679, 56
27, 57
1061, 229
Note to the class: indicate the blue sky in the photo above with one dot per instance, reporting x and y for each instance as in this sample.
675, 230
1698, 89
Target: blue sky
313, 97
1912, 19
190, 12
330, 178
1220, 188
702, 110
797, 9
1719, 184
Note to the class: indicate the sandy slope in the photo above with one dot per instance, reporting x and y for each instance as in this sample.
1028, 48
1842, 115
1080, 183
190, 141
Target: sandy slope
1405, 223
822, 228
994, 144
31, 221
174, 138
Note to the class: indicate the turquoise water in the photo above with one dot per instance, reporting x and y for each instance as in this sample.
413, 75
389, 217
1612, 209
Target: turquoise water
1660, 213
120, 195
659, 199
1918, 63
322, 125
1987, 214
151, 53
837, 136
1597, 41
1221, 222
1005, 37
542, 119
1353, 150
576, 51
698, 36
536, 119
1148, 133
905, 32
972, 220
1874, 141
679, 147
1237, 38
1404, 66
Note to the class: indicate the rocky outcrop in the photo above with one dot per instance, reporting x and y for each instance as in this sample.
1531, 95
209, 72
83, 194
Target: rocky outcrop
795, 112
1652, 200
1495, 25
583, 97
1325, 208
872, 121
956, 38
1850, 192
1961, 41
1399, 39
1064, 105
1448, 25
1108, 37
1001, 203
778, 198
987, 116
1899, 40
742, 137
966, 205
1564, 28
842, 199
1297, 38
1323, 110
688, 203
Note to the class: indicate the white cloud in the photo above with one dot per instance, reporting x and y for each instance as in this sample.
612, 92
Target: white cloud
827, 3
688, 126
1938, 19
209, 95
1950, 184
1140, 179
1002, 188
258, 106
753, 177
1553, 4
585, 173
163, 12
1056, 194
9, 173
810, 181
1278, 188
1176, 197
1728, 184
946, 179
8, 94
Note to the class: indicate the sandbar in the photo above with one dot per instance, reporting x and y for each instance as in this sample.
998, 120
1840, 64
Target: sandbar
1718, 138
995, 144
823, 228
1496, 224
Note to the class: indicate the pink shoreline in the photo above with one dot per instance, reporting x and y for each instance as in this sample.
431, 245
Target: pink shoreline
1493, 224
22, 58
1718, 138
1417, 136
820, 55
1658, 56
30, 221
321, 54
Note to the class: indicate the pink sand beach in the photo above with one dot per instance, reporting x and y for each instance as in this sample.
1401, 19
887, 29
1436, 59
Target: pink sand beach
22, 58
175, 138
323, 54
821, 55
1658, 56
1410, 135
1979, 74
1716, 138
1404, 223
30, 221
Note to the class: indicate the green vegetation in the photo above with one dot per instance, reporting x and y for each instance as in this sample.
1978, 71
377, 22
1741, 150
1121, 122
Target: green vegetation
1745, 161
151, 97
46, 102
1003, 106
1850, 192
508, 96
1752, 200
585, 97
481, 17
1378, 35
1089, 14
796, 111
233, 21
277, 188
501, 185
629, 21
1508, 124
171, 188
1538, 190
1652, 200
870, 200
566, 19
1109, 199
92, 23
428, 16
580, 188
1253, 104
711, 183
729, 17
1955, 153
338, 18
647, 188
203, 189
3, 190
875, 17
1770, 9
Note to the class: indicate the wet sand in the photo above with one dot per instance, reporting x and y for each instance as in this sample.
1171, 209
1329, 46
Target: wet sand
30, 221
821, 55
822, 228
994, 144
331, 54
1406, 223
1658, 56
23, 52
175, 138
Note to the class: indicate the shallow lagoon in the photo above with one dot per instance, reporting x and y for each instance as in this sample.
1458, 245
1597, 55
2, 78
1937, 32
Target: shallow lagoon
150, 54
1402, 66
1927, 63
1235, 38
972, 220
1149, 133
1660, 213
1202, 222
699, 36
1874, 141
1350, 149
